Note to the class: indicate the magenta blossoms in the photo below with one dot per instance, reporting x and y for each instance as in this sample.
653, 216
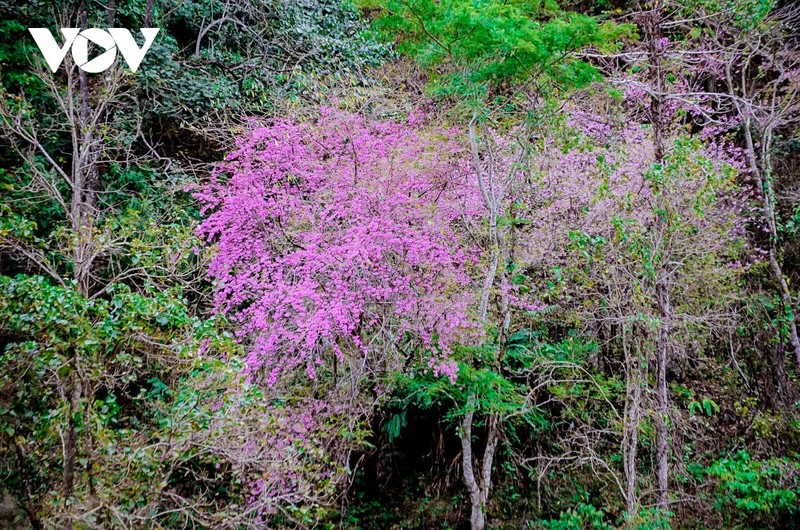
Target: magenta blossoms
336, 243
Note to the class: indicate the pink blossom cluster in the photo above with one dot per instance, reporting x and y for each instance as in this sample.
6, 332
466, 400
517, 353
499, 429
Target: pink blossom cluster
601, 173
336, 239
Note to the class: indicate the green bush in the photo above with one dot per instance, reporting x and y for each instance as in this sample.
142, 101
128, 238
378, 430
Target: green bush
758, 491
582, 516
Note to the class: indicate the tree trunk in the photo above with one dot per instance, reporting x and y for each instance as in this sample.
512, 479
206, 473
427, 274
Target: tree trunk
499, 250
81, 218
662, 399
478, 486
659, 125
763, 174
630, 435
764, 177
84, 181
657, 119
477, 519
148, 14
111, 11
71, 393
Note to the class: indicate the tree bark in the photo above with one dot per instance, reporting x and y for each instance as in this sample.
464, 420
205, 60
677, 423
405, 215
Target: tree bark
477, 519
111, 11
148, 14
761, 170
662, 398
492, 203
84, 181
630, 436
71, 393
659, 125
81, 218
764, 176
478, 486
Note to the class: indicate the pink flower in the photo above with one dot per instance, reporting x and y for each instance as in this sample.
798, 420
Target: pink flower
337, 238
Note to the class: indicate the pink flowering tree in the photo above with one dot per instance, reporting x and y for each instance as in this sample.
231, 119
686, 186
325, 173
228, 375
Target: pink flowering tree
339, 256
335, 245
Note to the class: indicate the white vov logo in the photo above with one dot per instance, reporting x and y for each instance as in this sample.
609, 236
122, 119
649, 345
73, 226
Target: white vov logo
109, 39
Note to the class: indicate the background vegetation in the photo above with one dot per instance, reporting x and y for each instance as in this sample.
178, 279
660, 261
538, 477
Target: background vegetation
403, 264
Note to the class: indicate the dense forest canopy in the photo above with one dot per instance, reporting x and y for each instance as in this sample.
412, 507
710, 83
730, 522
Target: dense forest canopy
371, 264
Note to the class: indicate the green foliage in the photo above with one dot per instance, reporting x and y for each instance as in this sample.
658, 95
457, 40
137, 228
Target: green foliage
167, 432
746, 15
122, 348
474, 47
16, 50
751, 491
251, 54
581, 517
588, 517
494, 391
706, 405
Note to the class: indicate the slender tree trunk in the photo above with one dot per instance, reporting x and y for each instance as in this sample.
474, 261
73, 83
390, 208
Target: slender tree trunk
630, 436
662, 398
111, 11
659, 125
148, 14
71, 393
764, 177
478, 486
492, 437
490, 200
71, 441
85, 181
477, 519
82, 218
